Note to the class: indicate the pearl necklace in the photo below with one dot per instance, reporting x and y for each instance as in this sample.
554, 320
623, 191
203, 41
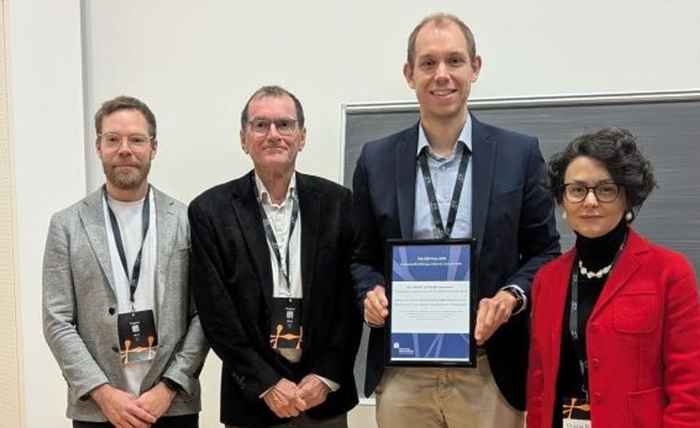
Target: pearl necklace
590, 275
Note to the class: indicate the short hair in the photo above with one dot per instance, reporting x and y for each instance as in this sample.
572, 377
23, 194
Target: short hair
124, 102
440, 20
275, 92
617, 150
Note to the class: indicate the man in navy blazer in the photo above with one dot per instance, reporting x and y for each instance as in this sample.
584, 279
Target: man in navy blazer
500, 202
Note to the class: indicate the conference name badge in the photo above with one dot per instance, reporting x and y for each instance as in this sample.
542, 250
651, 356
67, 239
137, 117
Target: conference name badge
285, 324
138, 340
576, 413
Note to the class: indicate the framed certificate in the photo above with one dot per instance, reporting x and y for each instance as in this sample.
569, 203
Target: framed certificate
432, 298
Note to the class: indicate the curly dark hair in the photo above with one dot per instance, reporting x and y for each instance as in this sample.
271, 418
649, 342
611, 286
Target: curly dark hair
616, 149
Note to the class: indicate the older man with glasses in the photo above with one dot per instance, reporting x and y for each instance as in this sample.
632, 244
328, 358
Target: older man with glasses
271, 257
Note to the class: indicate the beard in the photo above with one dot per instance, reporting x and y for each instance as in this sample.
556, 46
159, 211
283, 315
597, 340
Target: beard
126, 178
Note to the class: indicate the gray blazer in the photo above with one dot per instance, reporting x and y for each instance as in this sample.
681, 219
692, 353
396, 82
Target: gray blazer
80, 315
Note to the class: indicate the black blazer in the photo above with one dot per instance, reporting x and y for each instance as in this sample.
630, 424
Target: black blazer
232, 281
512, 220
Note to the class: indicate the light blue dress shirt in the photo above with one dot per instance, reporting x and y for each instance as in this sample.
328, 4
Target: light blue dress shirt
443, 171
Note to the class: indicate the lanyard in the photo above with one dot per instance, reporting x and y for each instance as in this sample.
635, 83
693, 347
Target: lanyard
574, 324
145, 221
270, 235
574, 331
456, 193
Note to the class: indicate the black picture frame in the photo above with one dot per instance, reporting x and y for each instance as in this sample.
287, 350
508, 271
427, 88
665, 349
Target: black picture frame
391, 359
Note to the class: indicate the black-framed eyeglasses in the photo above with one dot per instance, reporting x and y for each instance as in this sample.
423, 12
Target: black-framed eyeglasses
284, 126
112, 140
604, 192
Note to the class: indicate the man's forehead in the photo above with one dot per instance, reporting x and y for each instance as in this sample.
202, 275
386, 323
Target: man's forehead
265, 103
133, 116
439, 29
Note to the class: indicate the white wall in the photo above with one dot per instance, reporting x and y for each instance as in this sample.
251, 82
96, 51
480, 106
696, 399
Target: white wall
195, 64
46, 132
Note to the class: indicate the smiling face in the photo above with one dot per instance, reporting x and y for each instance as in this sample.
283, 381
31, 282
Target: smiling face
269, 149
442, 72
125, 165
590, 217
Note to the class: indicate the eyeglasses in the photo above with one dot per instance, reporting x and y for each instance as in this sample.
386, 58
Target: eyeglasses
283, 126
112, 140
604, 192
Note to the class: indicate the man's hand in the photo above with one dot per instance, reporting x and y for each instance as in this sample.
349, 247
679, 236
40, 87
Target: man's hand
492, 313
284, 400
156, 400
121, 408
313, 391
376, 306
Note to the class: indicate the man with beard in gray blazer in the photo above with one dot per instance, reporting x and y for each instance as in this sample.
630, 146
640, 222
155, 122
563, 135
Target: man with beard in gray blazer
118, 313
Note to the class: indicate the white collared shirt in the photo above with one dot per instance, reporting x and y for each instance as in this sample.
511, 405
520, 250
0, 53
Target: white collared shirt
280, 216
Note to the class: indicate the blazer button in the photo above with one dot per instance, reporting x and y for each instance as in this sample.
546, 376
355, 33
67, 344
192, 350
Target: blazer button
115, 349
111, 311
597, 397
595, 363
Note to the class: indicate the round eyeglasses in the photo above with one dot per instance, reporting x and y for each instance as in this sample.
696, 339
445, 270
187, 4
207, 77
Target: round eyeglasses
112, 140
604, 192
283, 126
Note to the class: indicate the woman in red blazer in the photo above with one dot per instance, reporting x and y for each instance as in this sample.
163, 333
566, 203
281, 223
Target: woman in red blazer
615, 320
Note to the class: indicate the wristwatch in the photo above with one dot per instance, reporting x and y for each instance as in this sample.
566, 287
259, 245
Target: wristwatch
519, 298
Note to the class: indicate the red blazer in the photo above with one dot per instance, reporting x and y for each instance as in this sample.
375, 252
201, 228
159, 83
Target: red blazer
642, 343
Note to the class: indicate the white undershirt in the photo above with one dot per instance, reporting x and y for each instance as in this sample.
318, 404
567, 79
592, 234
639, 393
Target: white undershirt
129, 218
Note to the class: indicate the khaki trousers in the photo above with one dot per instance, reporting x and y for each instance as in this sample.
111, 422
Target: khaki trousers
443, 398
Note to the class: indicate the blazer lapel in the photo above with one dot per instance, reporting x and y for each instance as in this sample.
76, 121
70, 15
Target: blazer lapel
483, 159
629, 261
246, 209
166, 229
310, 210
406, 179
91, 214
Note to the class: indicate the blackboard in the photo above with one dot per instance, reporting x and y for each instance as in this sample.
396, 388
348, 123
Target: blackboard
667, 125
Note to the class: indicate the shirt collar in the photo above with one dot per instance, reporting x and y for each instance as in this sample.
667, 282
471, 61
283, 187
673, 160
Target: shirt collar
264, 195
465, 136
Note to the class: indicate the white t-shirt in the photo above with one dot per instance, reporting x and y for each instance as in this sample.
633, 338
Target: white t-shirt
129, 217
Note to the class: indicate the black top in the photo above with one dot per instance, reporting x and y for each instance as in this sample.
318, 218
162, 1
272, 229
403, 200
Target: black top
595, 253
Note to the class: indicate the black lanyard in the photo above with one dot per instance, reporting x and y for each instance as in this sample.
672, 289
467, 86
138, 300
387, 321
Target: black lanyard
456, 193
574, 330
145, 221
574, 324
270, 234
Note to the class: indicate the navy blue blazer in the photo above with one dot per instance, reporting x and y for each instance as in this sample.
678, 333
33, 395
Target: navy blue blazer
512, 221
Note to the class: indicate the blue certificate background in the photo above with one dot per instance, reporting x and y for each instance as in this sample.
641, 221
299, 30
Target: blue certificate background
423, 263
